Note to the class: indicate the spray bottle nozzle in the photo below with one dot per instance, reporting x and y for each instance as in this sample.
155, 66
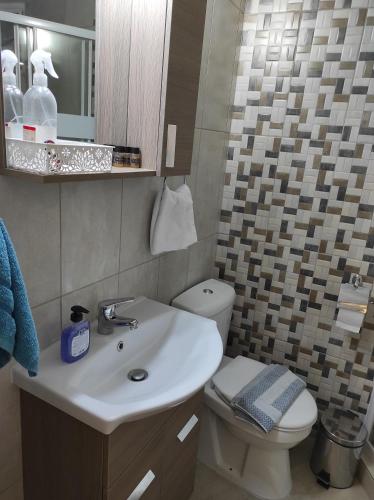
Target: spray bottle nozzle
42, 61
8, 61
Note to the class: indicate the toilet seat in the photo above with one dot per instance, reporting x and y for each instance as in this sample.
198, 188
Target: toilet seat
301, 415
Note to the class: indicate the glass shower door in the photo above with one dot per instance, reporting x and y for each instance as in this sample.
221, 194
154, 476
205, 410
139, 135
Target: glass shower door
72, 51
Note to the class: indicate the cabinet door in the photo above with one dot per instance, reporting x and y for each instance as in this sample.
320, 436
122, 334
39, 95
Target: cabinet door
145, 77
142, 479
62, 457
112, 69
181, 443
127, 442
186, 21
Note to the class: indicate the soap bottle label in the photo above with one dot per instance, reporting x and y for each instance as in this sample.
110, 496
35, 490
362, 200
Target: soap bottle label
80, 342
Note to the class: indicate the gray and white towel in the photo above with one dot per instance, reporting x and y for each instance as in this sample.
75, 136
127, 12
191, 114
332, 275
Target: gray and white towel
265, 399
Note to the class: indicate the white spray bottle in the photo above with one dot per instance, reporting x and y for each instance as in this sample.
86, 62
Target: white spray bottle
13, 97
39, 105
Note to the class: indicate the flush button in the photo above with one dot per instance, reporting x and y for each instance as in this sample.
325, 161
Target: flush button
208, 291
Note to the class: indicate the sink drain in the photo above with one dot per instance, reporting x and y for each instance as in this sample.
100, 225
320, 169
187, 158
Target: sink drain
137, 375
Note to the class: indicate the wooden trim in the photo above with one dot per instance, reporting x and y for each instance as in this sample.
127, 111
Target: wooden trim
164, 85
50, 179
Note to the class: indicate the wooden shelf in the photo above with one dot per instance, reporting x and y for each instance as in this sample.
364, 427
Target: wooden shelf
116, 173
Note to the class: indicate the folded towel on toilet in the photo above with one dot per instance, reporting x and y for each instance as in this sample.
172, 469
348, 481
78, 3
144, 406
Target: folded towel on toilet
261, 399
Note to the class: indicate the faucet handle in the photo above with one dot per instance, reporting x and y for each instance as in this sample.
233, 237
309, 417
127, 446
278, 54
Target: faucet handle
108, 307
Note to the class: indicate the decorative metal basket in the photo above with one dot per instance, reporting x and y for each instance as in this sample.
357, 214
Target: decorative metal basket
61, 158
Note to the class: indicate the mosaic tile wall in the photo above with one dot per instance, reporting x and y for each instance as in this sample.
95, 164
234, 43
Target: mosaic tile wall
297, 216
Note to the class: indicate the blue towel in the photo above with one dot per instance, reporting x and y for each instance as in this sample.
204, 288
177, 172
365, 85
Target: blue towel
268, 396
18, 336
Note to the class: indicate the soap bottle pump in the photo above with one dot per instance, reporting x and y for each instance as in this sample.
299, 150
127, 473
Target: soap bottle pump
13, 97
39, 105
75, 338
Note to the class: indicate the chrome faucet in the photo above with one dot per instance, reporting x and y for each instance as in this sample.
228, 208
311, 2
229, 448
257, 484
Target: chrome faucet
108, 319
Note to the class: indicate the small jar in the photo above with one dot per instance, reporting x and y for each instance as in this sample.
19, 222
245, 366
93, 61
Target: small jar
127, 157
118, 158
135, 158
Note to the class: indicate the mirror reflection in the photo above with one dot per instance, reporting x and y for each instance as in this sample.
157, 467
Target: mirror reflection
30, 31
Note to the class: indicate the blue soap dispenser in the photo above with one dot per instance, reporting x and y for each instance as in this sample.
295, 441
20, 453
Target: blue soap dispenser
75, 338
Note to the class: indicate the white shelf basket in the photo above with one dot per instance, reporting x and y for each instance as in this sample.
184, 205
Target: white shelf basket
61, 158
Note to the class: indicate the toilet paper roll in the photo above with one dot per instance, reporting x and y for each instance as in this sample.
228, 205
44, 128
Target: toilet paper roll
348, 319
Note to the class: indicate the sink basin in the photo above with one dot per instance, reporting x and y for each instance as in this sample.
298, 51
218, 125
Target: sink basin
180, 351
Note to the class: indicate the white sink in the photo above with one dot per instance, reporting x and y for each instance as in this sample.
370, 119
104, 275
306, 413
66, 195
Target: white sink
180, 351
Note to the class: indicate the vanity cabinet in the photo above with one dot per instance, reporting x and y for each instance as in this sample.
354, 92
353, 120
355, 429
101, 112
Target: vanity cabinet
148, 60
153, 458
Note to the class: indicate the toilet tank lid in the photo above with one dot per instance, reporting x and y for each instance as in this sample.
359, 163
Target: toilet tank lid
207, 298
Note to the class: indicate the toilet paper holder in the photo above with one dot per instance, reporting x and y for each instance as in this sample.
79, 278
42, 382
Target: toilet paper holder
356, 281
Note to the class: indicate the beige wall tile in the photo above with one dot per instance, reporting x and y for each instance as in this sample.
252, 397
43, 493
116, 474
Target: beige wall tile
47, 319
201, 261
137, 205
209, 179
89, 297
140, 280
8, 392
31, 214
172, 275
221, 65
90, 232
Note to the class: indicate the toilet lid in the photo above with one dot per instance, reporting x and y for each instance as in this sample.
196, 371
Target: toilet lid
240, 371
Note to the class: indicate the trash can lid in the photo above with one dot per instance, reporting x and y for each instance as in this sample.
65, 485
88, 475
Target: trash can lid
344, 427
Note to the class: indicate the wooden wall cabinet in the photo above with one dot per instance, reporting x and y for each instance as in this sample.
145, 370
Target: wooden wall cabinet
152, 459
150, 53
147, 69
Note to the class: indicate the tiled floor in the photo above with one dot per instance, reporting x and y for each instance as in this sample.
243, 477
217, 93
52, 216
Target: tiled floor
211, 486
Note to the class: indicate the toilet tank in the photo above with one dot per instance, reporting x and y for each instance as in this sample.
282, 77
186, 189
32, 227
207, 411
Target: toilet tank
212, 299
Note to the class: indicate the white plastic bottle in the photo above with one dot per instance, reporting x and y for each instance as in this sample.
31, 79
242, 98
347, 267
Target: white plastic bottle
39, 104
13, 97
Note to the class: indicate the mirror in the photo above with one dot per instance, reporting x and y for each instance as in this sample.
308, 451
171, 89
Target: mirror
66, 29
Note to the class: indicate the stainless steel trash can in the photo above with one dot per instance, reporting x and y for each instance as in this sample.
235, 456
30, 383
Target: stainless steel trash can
338, 447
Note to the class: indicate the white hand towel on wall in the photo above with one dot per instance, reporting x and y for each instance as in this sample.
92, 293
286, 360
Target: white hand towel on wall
347, 319
173, 224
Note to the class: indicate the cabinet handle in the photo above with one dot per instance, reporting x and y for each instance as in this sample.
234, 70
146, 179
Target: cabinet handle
142, 486
170, 146
187, 428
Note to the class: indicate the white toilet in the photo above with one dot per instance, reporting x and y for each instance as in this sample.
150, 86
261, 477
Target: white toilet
239, 450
